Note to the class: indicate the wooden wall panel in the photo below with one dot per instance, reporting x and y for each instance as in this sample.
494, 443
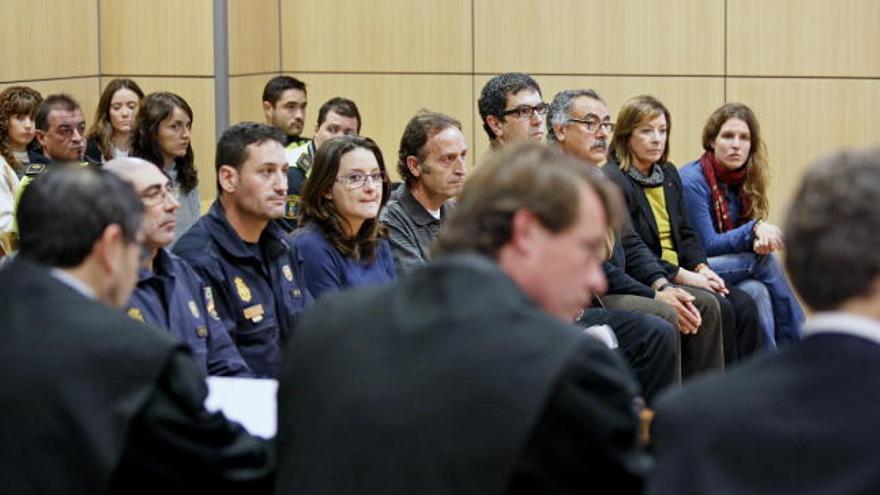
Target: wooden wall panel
805, 119
690, 101
41, 39
160, 37
804, 38
85, 90
253, 36
246, 95
387, 102
376, 36
199, 93
676, 37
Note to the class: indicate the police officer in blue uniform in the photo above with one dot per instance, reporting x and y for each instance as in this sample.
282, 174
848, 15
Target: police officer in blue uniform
242, 253
169, 294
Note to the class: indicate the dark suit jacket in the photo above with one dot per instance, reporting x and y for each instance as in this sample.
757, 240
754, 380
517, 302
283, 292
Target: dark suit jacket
803, 421
452, 381
632, 267
93, 402
685, 239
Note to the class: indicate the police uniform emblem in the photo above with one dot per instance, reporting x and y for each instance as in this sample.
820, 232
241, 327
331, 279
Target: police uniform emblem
193, 309
291, 207
209, 304
288, 274
243, 291
136, 314
202, 331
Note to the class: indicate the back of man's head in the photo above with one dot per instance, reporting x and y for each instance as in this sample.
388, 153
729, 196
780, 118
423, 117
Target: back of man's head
832, 230
422, 127
528, 176
493, 97
65, 211
233, 143
60, 101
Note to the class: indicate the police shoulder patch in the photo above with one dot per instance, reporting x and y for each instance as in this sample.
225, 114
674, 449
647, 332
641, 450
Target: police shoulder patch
209, 304
35, 169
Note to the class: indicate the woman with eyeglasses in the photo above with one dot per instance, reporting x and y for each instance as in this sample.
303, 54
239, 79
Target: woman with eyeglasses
163, 137
726, 195
113, 129
652, 189
342, 244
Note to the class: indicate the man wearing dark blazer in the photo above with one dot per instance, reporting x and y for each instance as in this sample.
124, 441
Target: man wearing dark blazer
92, 401
802, 420
466, 377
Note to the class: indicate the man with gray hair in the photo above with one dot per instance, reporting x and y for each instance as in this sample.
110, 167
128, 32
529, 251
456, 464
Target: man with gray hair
802, 420
580, 124
169, 294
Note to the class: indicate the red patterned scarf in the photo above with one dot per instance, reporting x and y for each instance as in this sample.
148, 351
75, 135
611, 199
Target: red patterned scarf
715, 173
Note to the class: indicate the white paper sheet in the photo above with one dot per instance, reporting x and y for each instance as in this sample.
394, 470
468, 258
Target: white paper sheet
249, 401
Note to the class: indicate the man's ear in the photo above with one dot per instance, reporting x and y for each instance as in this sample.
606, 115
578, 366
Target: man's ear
412, 163
525, 231
495, 124
41, 137
107, 248
227, 176
559, 130
267, 111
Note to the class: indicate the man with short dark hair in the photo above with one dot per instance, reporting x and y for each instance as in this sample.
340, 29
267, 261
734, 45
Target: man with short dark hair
432, 160
94, 402
253, 271
337, 117
169, 294
512, 109
801, 420
284, 105
466, 376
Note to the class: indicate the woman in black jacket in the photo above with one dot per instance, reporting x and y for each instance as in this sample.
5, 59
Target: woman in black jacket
653, 192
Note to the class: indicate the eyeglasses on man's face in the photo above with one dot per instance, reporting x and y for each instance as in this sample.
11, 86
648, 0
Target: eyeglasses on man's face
156, 194
526, 111
356, 180
594, 125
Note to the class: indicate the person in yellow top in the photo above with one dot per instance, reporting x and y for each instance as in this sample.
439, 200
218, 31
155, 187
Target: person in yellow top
652, 188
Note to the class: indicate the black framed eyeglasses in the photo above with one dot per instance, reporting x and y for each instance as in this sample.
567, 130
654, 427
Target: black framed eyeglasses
526, 111
594, 125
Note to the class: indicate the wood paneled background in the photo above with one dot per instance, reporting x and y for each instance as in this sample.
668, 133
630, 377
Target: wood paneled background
809, 69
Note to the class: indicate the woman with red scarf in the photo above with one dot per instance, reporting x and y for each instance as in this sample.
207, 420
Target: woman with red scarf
726, 195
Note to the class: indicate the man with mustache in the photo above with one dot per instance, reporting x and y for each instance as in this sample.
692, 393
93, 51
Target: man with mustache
242, 254
168, 293
580, 124
433, 163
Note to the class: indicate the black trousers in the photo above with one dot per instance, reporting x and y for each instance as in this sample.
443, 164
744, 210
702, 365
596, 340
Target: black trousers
647, 342
740, 325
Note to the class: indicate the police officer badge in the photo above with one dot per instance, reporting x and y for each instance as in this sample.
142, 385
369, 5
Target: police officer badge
135, 314
209, 303
193, 309
287, 273
243, 291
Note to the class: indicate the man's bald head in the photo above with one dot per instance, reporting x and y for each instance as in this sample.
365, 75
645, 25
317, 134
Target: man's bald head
157, 195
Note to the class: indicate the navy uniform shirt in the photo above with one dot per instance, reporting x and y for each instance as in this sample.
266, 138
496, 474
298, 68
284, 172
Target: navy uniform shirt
172, 296
260, 294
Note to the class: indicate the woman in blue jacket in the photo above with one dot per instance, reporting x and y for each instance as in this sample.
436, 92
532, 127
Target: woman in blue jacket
342, 244
726, 195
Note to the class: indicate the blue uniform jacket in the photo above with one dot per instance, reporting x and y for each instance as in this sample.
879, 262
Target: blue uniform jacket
258, 299
172, 296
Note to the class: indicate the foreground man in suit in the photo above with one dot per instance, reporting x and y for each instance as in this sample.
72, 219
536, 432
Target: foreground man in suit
465, 377
92, 401
803, 420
